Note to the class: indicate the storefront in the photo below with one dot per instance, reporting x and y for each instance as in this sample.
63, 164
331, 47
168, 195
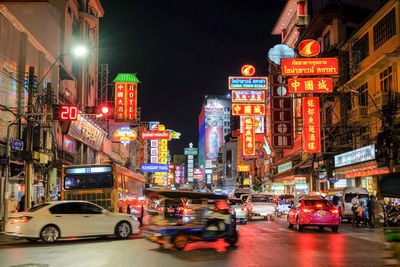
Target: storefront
358, 168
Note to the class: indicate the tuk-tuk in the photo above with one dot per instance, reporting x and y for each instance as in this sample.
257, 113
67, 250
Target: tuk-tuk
176, 220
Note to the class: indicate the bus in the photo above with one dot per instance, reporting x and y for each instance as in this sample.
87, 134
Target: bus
108, 185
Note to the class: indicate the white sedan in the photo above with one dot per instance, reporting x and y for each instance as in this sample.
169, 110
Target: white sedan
59, 219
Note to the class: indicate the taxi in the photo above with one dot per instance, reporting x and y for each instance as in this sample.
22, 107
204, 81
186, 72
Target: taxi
313, 212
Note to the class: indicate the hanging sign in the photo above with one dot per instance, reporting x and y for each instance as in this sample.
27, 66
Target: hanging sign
248, 109
310, 66
311, 125
249, 144
125, 97
243, 168
148, 135
250, 83
310, 85
309, 48
248, 96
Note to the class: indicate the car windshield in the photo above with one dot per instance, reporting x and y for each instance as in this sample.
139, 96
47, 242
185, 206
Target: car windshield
316, 202
348, 197
37, 207
261, 199
88, 181
235, 202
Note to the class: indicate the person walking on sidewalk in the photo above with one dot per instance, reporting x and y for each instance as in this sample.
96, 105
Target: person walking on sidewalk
356, 207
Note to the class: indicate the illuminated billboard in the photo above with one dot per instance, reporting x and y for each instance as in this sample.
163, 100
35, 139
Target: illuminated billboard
248, 96
214, 127
258, 125
310, 85
149, 135
248, 109
309, 66
311, 125
250, 83
249, 140
243, 168
309, 48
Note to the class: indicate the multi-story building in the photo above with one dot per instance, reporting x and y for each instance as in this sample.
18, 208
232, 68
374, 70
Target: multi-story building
330, 23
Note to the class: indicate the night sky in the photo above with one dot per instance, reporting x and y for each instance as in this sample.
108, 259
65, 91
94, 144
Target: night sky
184, 50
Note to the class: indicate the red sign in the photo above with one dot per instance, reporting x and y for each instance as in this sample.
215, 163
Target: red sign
197, 173
311, 125
310, 85
149, 135
125, 102
248, 70
64, 112
248, 96
248, 109
249, 139
309, 66
309, 48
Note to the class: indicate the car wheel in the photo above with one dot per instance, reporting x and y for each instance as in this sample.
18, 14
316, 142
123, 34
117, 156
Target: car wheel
180, 241
32, 240
123, 230
298, 225
233, 238
289, 224
50, 234
335, 228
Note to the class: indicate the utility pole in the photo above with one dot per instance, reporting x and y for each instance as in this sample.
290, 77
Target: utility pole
29, 143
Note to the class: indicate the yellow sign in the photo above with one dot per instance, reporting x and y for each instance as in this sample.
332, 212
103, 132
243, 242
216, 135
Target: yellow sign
243, 168
164, 142
163, 148
215, 177
246, 181
161, 127
159, 181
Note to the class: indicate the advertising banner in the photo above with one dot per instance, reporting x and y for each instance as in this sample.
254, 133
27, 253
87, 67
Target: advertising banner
197, 173
179, 174
311, 125
310, 66
355, 156
310, 85
249, 142
146, 167
214, 140
214, 123
148, 135
86, 132
250, 83
248, 109
248, 96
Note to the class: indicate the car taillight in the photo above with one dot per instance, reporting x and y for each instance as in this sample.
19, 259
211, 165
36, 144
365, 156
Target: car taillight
244, 208
160, 209
186, 210
335, 211
307, 210
319, 205
22, 219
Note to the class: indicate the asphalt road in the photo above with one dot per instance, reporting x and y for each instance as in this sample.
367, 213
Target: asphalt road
260, 244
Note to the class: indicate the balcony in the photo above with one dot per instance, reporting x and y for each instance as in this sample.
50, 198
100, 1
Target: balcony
358, 114
89, 12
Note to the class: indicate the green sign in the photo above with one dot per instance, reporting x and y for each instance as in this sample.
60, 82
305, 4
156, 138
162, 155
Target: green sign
190, 151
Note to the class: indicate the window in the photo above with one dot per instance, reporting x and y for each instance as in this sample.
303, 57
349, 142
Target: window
38, 207
317, 202
327, 41
67, 208
360, 50
363, 96
88, 208
88, 181
364, 133
385, 29
386, 80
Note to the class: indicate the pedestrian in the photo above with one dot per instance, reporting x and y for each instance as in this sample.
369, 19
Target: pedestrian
21, 204
356, 208
371, 210
42, 200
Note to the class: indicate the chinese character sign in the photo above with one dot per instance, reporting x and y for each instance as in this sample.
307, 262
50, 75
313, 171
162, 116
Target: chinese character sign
249, 144
248, 109
311, 125
310, 85
248, 96
125, 102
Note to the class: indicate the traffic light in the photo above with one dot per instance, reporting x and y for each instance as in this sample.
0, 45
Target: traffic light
105, 110
65, 112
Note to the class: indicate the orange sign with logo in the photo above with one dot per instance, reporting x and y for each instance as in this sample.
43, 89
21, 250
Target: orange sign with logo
243, 168
311, 125
248, 70
309, 66
309, 48
249, 139
248, 109
310, 85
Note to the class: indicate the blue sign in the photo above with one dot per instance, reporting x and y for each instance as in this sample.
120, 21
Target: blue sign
280, 51
17, 144
248, 83
333, 179
149, 167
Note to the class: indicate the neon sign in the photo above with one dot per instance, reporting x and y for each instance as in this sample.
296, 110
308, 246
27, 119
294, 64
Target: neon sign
309, 48
248, 96
248, 70
310, 85
310, 66
311, 125
249, 142
251, 83
248, 109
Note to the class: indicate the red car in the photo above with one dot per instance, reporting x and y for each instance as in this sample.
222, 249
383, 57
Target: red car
313, 212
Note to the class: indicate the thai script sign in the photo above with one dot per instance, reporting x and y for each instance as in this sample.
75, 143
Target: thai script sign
310, 66
250, 83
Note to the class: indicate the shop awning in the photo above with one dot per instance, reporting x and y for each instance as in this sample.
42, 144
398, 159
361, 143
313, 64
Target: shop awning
341, 172
366, 171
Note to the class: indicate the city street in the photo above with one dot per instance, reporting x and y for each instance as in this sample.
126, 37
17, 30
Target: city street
260, 244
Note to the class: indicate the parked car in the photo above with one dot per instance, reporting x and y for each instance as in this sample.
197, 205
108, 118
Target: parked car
240, 209
348, 194
59, 219
313, 212
261, 206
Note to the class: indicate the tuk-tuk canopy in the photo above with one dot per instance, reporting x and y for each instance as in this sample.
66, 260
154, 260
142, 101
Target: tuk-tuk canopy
389, 186
183, 194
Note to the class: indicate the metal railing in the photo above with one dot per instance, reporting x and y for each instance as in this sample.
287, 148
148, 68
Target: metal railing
89, 10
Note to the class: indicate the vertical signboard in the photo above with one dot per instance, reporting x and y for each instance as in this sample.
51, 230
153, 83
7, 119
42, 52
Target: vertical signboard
248, 136
125, 97
119, 101
281, 110
311, 125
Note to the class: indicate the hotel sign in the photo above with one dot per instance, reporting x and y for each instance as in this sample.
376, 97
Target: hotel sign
310, 66
125, 102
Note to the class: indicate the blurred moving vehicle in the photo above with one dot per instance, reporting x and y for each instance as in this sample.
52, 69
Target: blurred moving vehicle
59, 219
261, 206
283, 204
348, 194
213, 221
240, 209
313, 212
